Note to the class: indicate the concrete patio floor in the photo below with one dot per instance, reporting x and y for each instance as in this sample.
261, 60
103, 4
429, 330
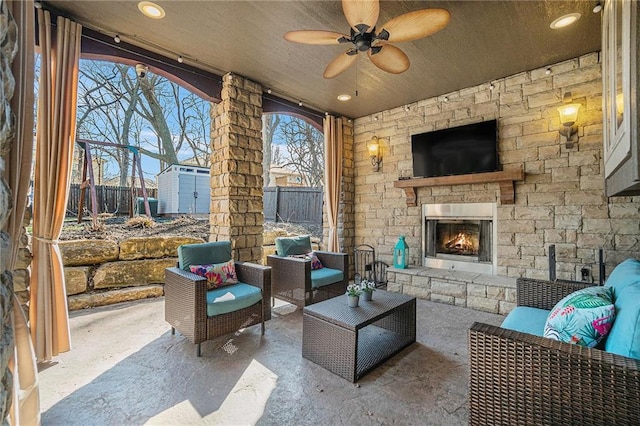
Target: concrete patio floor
126, 368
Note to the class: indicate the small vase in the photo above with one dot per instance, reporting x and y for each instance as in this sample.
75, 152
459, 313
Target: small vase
353, 301
366, 296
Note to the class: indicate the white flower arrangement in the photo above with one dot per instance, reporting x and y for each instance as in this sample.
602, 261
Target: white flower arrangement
354, 290
368, 286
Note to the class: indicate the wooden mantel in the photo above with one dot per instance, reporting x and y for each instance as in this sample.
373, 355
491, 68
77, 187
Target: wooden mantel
505, 179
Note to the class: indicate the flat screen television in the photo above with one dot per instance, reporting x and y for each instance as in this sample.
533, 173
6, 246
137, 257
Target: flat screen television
456, 151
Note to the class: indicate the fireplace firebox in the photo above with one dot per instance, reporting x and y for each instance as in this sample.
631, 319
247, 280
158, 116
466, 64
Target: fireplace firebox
460, 237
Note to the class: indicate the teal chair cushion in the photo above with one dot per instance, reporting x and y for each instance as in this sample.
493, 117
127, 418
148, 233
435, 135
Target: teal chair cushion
624, 337
625, 274
232, 298
203, 253
526, 320
286, 246
325, 276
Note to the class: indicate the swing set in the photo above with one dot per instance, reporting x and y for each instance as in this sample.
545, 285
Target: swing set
89, 182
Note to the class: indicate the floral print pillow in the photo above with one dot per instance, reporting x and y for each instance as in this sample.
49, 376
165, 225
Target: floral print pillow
312, 256
583, 318
315, 262
217, 274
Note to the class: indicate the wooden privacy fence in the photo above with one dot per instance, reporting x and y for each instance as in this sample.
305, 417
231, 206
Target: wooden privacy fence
110, 199
293, 204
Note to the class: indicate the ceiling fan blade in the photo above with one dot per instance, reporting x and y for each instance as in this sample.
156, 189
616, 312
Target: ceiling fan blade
314, 37
340, 64
414, 25
389, 58
362, 15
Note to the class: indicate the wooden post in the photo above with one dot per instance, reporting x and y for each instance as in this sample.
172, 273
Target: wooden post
87, 167
147, 210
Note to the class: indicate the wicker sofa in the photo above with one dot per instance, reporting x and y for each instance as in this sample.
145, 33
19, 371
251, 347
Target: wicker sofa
520, 378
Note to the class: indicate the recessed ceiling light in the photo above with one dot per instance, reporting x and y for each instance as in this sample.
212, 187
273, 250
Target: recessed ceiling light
344, 97
565, 20
151, 10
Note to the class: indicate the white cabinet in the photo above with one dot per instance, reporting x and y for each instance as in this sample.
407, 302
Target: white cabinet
620, 97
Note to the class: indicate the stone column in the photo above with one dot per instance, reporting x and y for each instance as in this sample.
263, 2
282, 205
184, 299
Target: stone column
346, 215
236, 168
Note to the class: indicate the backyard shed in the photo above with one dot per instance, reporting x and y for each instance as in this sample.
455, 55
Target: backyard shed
184, 189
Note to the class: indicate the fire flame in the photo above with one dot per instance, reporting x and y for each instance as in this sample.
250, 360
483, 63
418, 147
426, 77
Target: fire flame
461, 242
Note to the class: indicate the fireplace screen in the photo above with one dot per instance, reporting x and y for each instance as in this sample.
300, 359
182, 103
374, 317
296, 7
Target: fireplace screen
470, 239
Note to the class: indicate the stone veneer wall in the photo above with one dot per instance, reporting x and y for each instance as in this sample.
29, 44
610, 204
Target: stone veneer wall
7, 128
561, 201
236, 168
22, 269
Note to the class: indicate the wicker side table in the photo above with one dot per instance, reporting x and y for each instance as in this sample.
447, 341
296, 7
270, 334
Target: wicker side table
350, 342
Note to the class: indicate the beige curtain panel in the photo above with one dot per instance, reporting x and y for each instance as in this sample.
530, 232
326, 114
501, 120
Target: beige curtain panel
25, 407
333, 176
55, 137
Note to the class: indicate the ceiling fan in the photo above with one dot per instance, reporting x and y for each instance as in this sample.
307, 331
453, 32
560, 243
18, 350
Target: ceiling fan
362, 16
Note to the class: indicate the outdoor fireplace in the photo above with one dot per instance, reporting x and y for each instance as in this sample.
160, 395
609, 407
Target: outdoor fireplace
460, 237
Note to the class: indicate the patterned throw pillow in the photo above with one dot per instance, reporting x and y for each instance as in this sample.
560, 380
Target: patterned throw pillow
583, 318
315, 262
217, 274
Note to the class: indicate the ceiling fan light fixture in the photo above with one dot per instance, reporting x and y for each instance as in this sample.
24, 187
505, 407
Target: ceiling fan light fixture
565, 20
362, 16
344, 97
151, 10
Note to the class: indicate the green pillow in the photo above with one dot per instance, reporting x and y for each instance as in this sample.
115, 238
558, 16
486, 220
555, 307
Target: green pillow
203, 253
286, 246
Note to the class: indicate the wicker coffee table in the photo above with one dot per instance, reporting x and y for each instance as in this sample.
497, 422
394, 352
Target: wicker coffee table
350, 342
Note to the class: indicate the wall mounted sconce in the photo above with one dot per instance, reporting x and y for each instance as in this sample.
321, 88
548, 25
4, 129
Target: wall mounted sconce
568, 117
375, 153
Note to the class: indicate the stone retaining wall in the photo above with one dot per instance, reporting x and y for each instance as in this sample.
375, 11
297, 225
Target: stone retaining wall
103, 272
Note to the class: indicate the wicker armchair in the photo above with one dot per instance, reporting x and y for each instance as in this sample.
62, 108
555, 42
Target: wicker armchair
292, 280
518, 378
186, 295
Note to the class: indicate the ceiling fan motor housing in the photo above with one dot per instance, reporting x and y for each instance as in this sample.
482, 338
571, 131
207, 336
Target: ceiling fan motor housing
362, 41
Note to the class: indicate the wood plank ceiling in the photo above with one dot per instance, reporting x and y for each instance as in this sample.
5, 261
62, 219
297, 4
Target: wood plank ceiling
485, 40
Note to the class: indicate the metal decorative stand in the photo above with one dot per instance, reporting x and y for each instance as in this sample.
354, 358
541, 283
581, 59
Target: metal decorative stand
367, 267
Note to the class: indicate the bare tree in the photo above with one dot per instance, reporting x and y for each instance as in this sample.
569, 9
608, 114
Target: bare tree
153, 114
106, 111
270, 124
277, 157
305, 145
